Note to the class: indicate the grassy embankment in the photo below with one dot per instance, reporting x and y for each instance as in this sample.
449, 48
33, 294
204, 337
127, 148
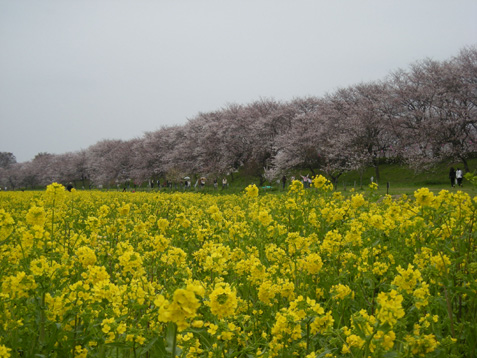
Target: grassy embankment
401, 179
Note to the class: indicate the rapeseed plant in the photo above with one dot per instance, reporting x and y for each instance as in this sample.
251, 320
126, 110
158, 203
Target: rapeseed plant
308, 273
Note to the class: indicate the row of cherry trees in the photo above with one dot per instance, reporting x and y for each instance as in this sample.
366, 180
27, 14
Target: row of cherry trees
418, 116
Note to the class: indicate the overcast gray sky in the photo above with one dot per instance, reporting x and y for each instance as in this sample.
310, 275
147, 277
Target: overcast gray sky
75, 72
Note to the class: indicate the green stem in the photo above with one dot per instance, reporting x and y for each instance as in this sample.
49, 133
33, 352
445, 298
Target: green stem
307, 336
41, 336
449, 312
174, 341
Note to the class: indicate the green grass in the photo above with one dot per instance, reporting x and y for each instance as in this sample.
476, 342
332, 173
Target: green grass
403, 180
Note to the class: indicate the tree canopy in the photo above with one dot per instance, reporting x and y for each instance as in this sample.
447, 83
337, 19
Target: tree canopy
419, 116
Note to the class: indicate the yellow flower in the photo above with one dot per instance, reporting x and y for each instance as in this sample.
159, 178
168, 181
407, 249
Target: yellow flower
197, 324
131, 262
407, 279
322, 323
319, 181
36, 216
86, 256
441, 262
124, 210
340, 291
267, 292
373, 186
212, 329
7, 224
121, 328
80, 352
18, 285
422, 345
162, 224
390, 307
4, 351
187, 301
264, 218
386, 339
106, 324
223, 301
226, 336
422, 295
55, 189
424, 197
183, 307
352, 341
312, 263
357, 200
296, 187
140, 340
252, 191
41, 266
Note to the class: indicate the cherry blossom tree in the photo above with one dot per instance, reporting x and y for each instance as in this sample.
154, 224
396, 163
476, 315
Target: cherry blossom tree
152, 154
8, 163
436, 120
12, 176
7, 159
364, 112
301, 146
268, 119
235, 144
78, 163
180, 158
109, 162
421, 115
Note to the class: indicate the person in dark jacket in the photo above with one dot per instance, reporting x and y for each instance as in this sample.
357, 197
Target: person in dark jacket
452, 176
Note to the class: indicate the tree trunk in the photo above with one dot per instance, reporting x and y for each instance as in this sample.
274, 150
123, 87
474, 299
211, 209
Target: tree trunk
466, 165
376, 169
376, 172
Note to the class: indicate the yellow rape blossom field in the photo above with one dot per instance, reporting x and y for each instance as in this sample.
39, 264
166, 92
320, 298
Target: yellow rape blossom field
309, 273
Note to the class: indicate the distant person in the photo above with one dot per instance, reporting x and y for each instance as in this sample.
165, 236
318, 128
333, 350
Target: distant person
215, 183
284, 181
452, 176
69, 187
224, 183
306, 180
458, 176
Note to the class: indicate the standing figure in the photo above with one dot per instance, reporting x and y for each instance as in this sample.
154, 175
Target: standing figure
452, 176
458, 175
284, 181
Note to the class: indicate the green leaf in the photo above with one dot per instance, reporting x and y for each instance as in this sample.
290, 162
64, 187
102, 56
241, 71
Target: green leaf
148, 346
171, 331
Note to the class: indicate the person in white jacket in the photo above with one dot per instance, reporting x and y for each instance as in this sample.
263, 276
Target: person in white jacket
458, 176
